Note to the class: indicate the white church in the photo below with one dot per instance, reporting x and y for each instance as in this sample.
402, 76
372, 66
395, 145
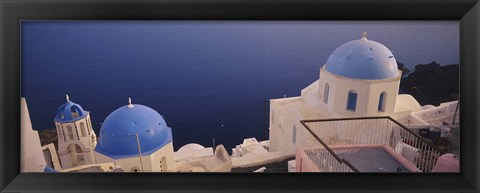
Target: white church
359, 79
133, 138
76, 138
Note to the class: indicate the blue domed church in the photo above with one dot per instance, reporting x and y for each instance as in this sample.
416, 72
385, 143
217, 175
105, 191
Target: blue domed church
76, 138
360, 78
137, 138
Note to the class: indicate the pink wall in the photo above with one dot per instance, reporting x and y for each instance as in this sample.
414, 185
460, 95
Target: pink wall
304, 164
447, 163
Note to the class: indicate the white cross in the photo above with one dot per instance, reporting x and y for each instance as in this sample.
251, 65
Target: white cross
130, 102
364, 34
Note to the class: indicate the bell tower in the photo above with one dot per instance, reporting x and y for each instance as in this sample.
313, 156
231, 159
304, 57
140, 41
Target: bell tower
76, 138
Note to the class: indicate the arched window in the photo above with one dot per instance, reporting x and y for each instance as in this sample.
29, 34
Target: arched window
76, 154
382, 100
70, 132
325, 93
82, 129
78, 149
294, 135
352, 100
62, 130
74, 111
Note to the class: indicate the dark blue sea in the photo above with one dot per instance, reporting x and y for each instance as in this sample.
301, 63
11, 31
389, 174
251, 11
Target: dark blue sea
208, 79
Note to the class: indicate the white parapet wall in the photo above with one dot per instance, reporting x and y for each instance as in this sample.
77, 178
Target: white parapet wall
254, 153
52, 156
445, 112
31, 154
103, 167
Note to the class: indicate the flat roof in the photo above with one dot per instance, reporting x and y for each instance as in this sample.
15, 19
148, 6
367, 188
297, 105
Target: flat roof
372, 159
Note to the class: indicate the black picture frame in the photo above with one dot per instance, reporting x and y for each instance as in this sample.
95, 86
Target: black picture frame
14, 11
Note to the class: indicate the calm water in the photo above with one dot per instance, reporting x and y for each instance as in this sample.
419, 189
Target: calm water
200, 75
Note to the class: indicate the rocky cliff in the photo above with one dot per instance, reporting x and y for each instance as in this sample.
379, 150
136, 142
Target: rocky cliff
432, 83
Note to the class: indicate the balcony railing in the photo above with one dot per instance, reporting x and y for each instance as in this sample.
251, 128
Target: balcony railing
322, 134
327, 161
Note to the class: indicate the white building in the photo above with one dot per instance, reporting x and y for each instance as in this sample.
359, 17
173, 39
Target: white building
359, 79
31, 154
194, 157
137, 138
76, 138
133, 138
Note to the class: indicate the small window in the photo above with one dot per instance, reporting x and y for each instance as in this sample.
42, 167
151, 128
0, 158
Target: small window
294, 135
352, 100
135, 169
382, 102
325, 93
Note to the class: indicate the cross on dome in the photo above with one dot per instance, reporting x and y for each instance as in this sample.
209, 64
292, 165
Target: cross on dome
130, 102
364, 35
69, 112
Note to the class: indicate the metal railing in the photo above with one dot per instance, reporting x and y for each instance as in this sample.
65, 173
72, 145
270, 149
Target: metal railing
324, 133
328, 161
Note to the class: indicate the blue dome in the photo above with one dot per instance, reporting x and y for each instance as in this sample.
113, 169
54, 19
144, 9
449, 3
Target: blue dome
117, 135
69, 112
362, 59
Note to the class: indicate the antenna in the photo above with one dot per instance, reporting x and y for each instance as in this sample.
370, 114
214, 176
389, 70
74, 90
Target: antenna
213, 144
139, 151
